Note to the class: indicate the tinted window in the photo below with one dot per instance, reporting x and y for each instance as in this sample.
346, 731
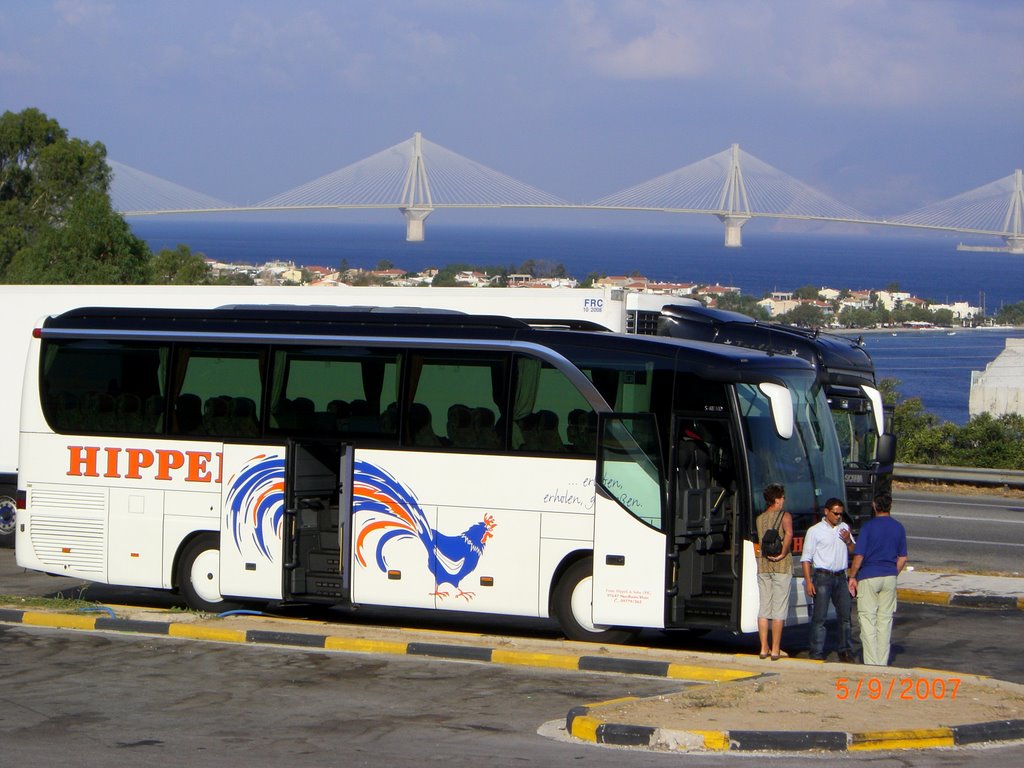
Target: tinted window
218, 392
104, 386
335, 391
456, 401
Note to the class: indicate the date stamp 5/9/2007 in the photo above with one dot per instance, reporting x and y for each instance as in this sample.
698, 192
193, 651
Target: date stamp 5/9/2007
897, 688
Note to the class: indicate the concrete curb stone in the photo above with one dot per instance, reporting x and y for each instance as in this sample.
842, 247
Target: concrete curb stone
581, 725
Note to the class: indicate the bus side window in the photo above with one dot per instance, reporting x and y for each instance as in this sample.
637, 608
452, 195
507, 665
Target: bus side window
547, 410
101, 386
334, 391
456, 400
219, 392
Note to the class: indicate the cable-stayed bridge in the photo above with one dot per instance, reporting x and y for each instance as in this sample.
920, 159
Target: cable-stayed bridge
417, 177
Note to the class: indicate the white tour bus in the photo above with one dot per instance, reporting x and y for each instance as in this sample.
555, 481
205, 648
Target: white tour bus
22, 305
413, 459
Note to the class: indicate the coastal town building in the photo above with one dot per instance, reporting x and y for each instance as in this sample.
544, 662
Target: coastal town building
830, 301
961, 310
999, 389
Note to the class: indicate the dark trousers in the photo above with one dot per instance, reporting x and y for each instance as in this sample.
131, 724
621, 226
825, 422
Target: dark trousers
830, 588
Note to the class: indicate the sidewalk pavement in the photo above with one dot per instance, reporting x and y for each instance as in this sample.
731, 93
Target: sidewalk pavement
961, 589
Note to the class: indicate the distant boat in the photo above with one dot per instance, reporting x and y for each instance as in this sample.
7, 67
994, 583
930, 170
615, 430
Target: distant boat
951, 333
894, 333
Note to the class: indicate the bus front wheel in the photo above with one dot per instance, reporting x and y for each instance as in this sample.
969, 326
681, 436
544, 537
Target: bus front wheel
7, 514
573, 607
199, 576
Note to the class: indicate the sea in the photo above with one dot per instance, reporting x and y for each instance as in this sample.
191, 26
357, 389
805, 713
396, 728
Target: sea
934, 365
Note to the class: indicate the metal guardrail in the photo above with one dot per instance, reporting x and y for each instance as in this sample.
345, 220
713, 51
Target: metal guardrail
972, 475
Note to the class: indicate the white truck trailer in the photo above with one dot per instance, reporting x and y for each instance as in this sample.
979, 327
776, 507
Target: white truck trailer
22, 306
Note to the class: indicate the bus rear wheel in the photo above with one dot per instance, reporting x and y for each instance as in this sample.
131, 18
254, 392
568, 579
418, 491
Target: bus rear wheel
573, 607
199, 576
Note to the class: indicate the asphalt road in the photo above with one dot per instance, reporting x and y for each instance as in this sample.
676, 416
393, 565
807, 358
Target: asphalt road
971, 533
115, 699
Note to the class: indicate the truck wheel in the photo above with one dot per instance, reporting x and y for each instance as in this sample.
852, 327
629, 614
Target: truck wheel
199, 576
573, 601
7, 515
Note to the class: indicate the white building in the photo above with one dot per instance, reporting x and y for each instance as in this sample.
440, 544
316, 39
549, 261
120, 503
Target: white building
961, 310
999, 389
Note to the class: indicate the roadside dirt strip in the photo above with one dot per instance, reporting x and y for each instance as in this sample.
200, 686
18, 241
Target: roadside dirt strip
725, 702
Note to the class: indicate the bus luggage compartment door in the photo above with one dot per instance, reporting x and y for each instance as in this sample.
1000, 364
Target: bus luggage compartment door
629, 539
252, 516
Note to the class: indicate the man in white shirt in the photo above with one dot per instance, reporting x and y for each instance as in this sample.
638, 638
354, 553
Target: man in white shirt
826, 551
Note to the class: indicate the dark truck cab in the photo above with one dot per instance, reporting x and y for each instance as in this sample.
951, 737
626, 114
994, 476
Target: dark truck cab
845, 371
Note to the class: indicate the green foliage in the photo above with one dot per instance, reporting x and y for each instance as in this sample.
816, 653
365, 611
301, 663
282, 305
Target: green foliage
180, 267
1011, 314
855, 317
234, 278
56, 221
806, 292
807, 315
542, 268
747, 305
984, 441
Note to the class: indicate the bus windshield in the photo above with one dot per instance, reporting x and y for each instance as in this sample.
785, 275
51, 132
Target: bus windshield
857, 437
808, 463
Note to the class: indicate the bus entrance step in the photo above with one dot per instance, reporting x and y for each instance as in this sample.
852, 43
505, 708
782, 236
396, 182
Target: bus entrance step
716, 584
708, 606
323, 585
324, 562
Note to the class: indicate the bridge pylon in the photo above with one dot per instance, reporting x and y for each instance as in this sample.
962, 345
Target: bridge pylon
1014, 216
417, 202
733, 202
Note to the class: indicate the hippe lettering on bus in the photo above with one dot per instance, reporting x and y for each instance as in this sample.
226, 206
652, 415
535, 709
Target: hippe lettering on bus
144, 463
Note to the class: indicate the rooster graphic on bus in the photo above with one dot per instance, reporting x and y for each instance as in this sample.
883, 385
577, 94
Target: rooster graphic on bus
394, 513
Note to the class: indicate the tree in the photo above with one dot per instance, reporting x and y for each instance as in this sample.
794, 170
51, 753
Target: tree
806, 315
806, 292
92, 246
234, 277
1011, 314
57, 224
988, 441
180, 267
747, 305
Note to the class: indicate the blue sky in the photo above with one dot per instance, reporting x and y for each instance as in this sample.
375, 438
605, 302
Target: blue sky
886, 105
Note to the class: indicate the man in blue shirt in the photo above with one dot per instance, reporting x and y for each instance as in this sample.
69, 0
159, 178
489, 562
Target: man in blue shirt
827, 548
878, 557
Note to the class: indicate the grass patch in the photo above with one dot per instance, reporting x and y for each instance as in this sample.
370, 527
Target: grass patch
57, 603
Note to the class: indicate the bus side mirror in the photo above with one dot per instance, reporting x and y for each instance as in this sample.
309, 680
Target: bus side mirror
885, 452
781, 407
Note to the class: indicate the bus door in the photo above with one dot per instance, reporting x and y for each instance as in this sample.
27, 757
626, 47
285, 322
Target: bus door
705, 533
251, 515
318, 504
629, 524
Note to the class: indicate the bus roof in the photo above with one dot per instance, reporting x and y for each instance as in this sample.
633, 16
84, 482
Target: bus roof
710, 359
839, 360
